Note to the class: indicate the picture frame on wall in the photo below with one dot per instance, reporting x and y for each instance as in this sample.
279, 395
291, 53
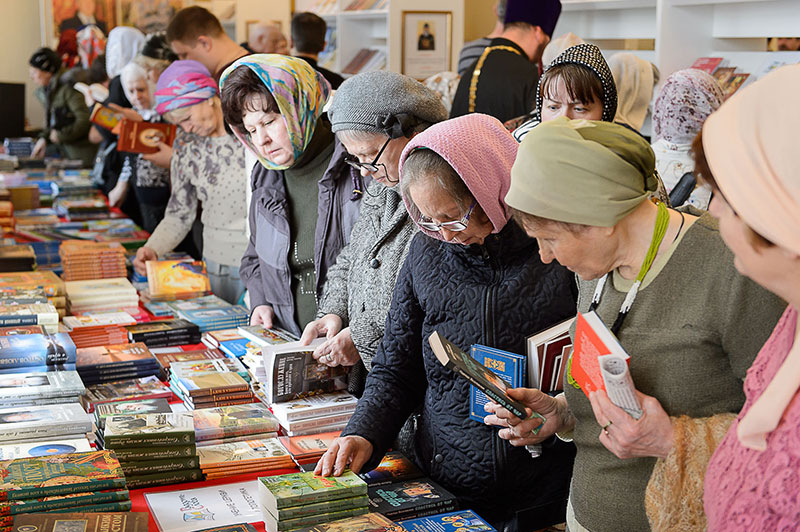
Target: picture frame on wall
427, 43
74, 14
149, 16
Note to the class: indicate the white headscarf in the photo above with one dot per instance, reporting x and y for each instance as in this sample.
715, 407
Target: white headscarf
635, 79
124, 43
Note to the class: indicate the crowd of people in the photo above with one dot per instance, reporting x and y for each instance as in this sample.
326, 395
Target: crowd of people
361, 211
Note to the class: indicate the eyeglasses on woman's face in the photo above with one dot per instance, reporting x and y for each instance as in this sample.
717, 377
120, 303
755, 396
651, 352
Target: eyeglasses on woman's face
372, 167
455, 225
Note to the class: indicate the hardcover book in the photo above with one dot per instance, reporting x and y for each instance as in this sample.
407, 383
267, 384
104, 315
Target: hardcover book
545, 356
165, 359
371, 522
14, 450
165, 478
155, 452
36, 352
318, 509
212, 384
197, 367
411, 499
127, 390
312, 445
273, 525
121, 355
243, 453
82, 522
170, 277
295, 489
25, 387
460, 521
149, 429
30, 478
236, 420
104, 116
510, 367
159, 329
45, 421
292, 371
263, 336
122, 408
315, 406
149, 467
98, 319
45, 280
707, 64
57, 502
143, 137
393, 468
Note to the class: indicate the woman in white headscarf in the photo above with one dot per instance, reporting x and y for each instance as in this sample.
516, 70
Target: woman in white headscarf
635, 79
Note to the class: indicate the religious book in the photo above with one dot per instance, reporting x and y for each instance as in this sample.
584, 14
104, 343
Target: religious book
263, 454
104, 116
125, 390
45, 421
44, 280
58, 502
263, 336
292, 371
212, 384
82, 522
140, 430
121, 408
410, 499
220, 365
309, 448
21, 449
165, 359
236, 420
171, 277
143, 137
460, 521
155, 452
510, 367
393, 468
115, 356
150, 467
371, 522
707, 64
43, 314
165, 478
272, 524
326, 404
295, 489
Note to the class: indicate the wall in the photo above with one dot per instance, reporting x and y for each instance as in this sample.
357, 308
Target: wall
479, 18
21, 36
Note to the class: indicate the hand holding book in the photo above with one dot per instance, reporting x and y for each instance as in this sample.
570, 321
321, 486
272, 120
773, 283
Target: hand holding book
532, 430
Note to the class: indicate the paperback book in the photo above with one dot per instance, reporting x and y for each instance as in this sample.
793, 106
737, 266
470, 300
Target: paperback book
460, 521
82, 522
197, 367
411, 499
510, 367
292, 372
25, 353
245, 455
148, 430
58, 502
263, 336
371, 522
393, 468
172, 277
211, 384
142, 406
166, 359
45, 421
126, 390
315, 406
29, 388
43, 314
295, 489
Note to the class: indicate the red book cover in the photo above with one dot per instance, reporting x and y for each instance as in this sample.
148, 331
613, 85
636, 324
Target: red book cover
143, 137
592, 339
707, 64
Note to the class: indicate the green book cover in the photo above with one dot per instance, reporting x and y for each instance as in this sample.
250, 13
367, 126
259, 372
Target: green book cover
75, 522
147, 467
149, 429
60, 474
61, 501
291, 524
315, 508
121, 506
164, 479
133, 454
294, 489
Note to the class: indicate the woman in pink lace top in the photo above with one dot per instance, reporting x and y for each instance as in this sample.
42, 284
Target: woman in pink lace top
748, 153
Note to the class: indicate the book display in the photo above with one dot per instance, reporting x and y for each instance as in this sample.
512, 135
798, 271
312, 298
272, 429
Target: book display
112, 363
410, 499
40, 388
221, 424
292, 371
28, 423
84, 260
164, 333
97, 522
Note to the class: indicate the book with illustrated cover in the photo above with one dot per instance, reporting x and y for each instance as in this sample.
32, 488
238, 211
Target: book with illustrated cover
149, 467
460, 521
315, 406
371, 522
104, 116
510, 367
30, 478
122, 408
165, 359
292, 372
222, 335
22, 329
119, 506
18, 449
143, 137
263, 336
169, 277
30, 295
211, 384
317, 509
198, 303
25, 387
149, 429
411, 499
393, 468
45, 421
309, 446
114, 288
43, 314
303, 426
117, 356
56, 502
196, 367
126, 390
236, 420
239, 347
707, 64
271, 524
26, 353
145, 332
82, 522
295, 489
732, 83
269, 452
44, 280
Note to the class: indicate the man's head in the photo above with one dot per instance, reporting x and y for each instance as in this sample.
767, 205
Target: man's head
86, 7
268, 39
308, 33
531, 24
192, 34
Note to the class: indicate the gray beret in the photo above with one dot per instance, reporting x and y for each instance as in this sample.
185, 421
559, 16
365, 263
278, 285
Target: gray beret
384, 102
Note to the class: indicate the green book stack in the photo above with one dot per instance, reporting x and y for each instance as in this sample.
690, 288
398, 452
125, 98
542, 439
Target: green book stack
303, 499
154, 449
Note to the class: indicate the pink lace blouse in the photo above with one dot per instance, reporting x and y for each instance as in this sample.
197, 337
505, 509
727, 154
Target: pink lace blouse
752, 491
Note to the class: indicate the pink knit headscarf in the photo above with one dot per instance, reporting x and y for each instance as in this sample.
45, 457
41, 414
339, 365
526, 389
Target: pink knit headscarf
481, 151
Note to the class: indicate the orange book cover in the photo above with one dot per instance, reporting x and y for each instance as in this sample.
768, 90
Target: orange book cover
592, 339
104, 116
143, 137
309, 444
165, 277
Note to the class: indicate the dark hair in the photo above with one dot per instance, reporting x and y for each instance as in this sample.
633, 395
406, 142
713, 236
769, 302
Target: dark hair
582, 83
45, 59
526, 220
424, 164
97, 70
157, 47
238, 96
308, 33
519, 25
702, 172
192, 22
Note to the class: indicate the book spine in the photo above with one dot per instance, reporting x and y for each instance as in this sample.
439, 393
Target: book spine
222, 390
322, 496
306, 424
307, 510
62, 489
139, 440
14, 321
39, 432
18, 507
159, 466
164, 479
155, 453
324, 411
121, 506
322, 517
235, 432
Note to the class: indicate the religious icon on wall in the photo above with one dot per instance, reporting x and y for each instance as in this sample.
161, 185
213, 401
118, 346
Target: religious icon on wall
148, 15
75, 14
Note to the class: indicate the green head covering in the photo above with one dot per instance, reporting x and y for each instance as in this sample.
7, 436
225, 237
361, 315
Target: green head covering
581, 171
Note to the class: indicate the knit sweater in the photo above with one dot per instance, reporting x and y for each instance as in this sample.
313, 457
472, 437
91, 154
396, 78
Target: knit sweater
692, 333
210, 170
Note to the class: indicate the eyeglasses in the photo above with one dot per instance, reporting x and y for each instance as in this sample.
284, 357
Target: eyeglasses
455, 225
369, 167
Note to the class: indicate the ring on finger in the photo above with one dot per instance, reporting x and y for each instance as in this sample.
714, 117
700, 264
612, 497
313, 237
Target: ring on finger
605, 427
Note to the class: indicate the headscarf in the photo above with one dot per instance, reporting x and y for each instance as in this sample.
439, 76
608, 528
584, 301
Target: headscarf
182, 84
481, 152
91, 43
685, 101
558, 45
582, 171
123, 44
635, 80
300, 92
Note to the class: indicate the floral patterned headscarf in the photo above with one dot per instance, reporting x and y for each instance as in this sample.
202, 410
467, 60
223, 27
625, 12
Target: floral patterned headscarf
299, 90
685, 101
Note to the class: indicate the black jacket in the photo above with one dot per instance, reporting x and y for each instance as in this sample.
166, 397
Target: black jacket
496, 294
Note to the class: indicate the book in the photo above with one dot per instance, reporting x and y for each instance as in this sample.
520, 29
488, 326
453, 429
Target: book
241, 527
16, 388
543, 349
62, 474
411, 499
126, 390
308, 424
721, 74
19, 449
79, 522
318, 508
119, 506
393, 468
310, 446
315, 406
454, 359
253, 452
510, 367
732, 84
231, 439
220, 365
121, 408
149, 467
292, 372
371, 522
165, 359
26, 353
43, 314
263, 336
100, 319
57, 502
104, 116
44, 280
114, 356
149, 429
143, 137
707, 64
164, 478
460, 521
170, 277
272, 524
211, 384
46, 421
295, 489
155, 452
236, 420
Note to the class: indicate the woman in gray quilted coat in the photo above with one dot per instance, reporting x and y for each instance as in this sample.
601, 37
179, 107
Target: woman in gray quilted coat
374, 115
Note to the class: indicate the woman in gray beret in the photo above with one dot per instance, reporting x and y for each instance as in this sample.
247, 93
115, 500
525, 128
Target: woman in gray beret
374, 115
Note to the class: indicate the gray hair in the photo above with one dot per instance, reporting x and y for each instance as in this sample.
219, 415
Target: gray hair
425, 166
362, 135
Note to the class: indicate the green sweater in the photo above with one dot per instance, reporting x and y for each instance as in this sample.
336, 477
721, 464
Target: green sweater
692, 332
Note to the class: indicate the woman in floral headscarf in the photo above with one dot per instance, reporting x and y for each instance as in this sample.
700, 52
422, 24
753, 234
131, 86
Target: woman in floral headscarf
305, 196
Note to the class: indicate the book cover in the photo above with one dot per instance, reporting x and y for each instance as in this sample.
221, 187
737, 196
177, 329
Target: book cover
149, 429
104, 116
241, 453
14, 450
165, 359
122, 408
460, 521
114, 356
393, 468
236, 348
45, 421
17, 387
315, 406
119, 506
291, 372
165, 277
371, 522
733, 83
411, 499
309, 445
143, 137
722, 74
195, 509
29, 478
592, 340
45, 280
82, 522
126, 390
149, 467
294, 489
273, 525
223, 335
212, 384
118, 287
98, 319
165, 478
219, 365
241, 527
22, 329
156, 329
44, 352
263, 336
510, 367
227, 421
299, 425
155, 452
57, 502
320, 508
707, 64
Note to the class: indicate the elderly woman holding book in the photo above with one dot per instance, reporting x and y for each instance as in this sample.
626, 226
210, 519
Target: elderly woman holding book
664, 283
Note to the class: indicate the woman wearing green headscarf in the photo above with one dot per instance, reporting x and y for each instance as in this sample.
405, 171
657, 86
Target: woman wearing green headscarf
664, 283
305, 196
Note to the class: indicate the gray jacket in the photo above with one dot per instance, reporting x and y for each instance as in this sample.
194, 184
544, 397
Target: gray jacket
265, 265
360, 285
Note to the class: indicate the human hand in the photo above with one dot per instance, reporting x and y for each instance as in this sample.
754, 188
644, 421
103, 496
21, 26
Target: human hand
117, 195
53, 136
162, 157
328, 325
338, 351
143, 254
352, 450
126, 112
39, 149
626, 437
519, 432
263, 315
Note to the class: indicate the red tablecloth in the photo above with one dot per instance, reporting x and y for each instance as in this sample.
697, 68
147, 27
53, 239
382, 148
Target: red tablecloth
139, 504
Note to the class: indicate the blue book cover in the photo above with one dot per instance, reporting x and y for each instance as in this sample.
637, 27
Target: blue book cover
510, 367
235, 348
214, 315
460, 521
46, 352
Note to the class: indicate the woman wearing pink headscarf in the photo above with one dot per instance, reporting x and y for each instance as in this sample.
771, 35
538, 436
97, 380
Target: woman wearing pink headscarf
474, 277
748, 153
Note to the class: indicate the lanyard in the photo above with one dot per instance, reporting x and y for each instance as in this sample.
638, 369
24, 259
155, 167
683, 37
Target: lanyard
476, 72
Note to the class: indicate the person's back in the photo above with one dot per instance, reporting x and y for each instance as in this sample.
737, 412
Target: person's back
308, 40
472, 50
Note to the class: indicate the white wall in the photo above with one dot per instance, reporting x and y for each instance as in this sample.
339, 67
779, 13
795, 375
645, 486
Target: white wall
19, 38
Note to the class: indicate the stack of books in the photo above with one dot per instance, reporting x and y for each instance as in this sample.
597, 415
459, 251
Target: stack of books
366, 60
210, 313
43, 314
82, 209
236, 458
307, 450
101, 295
226, 424
84, 260
314, 414
96, 329
73, 521
127, 390
233, 344
256, 337
448, 522
410, 499
19, 449
212, 389
166, 358
154, 449
52, 286
41, 388
304, 499
187, 368
76, 482
164, 333
26, 296
27, 349
7, 217
125, 408
17, 258
176, 279
43, 422
113, 363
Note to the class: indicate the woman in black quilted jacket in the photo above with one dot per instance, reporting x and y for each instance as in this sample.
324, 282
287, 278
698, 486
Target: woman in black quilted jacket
473, 276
